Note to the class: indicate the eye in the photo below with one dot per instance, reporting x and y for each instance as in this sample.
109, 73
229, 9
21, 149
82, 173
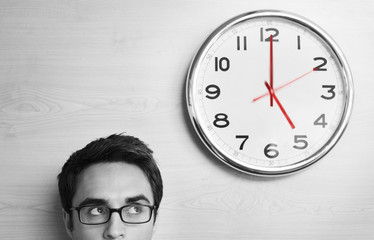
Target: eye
97, 211
135, 210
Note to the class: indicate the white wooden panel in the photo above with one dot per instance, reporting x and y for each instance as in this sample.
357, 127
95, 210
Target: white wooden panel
73, 71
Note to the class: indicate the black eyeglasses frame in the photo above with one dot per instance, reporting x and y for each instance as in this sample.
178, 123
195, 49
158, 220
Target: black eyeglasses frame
112, 210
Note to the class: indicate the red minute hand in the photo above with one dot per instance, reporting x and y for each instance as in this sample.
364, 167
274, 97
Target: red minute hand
271, 91
271, 68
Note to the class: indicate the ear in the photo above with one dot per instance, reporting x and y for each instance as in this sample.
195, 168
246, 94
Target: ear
68, 223
154, 229
155, 221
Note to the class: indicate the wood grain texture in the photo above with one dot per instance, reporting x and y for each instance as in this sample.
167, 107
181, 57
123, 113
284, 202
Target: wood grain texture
73, 71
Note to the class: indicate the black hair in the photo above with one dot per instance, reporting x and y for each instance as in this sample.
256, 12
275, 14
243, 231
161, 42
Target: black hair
115, 148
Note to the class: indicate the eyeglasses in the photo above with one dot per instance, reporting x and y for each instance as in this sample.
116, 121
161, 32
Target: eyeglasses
100, 214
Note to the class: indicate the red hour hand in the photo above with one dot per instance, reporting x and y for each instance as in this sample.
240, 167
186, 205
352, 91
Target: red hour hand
272, 94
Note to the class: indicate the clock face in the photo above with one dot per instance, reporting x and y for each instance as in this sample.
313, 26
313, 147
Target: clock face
269, 93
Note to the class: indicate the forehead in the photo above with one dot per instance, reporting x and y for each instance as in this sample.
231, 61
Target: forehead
113, 182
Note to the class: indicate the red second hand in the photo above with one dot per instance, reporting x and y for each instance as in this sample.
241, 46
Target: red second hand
276, 89
271, 91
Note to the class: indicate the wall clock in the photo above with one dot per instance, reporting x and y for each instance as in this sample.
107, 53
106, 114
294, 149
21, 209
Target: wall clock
269, 93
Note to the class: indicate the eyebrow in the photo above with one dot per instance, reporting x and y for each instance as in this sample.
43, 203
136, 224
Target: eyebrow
93, 201
137, 198
99, 201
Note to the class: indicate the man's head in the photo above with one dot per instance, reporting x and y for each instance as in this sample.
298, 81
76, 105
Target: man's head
111, 189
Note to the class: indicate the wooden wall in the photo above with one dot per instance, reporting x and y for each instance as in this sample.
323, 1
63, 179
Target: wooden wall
72, 71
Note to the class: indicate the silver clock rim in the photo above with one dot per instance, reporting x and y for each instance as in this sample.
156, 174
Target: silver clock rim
347, 82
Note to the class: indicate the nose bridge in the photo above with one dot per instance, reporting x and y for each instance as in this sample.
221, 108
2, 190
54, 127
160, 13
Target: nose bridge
113, 210
115, 228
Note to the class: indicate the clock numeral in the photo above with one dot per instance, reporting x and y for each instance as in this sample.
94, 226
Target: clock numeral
300, 139
319, 67
213, 91
275, 34
221, 120
271, 152
331, 90
222, 64
321, 121
242, 40
245, 137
